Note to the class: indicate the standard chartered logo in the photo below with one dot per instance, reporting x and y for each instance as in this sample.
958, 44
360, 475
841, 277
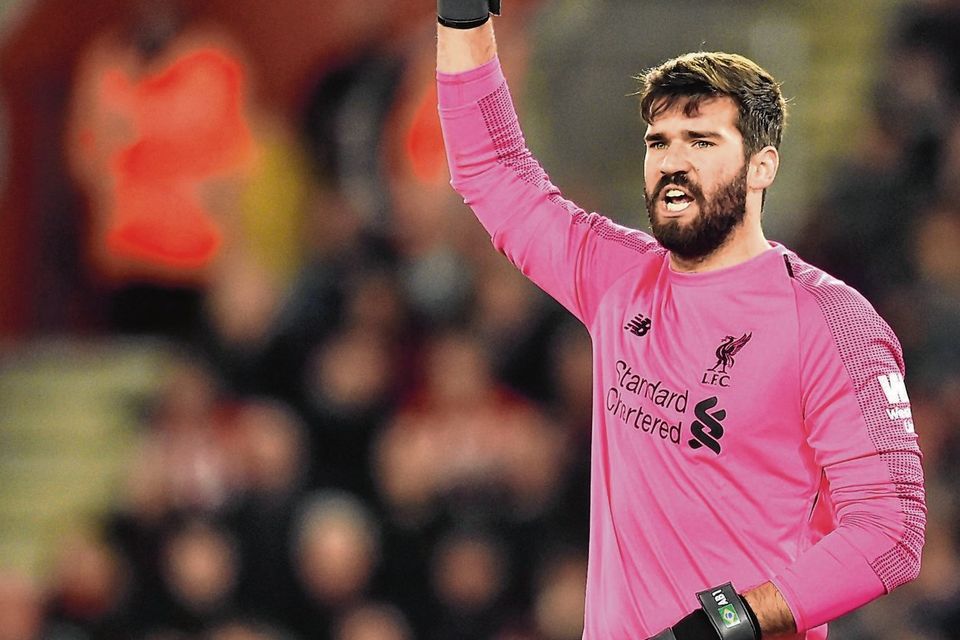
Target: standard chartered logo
645, 405
707, 429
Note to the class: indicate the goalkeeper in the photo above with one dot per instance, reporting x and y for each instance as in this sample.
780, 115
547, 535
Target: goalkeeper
755, 467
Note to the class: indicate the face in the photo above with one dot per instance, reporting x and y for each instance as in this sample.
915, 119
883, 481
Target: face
695, 178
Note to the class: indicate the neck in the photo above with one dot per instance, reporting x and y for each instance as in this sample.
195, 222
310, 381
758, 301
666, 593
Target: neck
746, 241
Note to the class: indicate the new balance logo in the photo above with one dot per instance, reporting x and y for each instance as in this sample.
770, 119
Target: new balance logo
639, 326
893, 387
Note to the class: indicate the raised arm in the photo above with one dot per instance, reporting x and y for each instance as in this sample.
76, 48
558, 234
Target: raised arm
572, 255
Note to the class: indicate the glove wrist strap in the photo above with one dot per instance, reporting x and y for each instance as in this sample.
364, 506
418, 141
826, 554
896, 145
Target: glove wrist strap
729, 613
466, 14
462, 24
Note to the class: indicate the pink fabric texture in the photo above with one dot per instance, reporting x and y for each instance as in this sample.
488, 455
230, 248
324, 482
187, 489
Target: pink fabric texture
749, 424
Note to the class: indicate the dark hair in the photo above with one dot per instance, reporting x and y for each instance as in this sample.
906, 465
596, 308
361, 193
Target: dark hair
696, 77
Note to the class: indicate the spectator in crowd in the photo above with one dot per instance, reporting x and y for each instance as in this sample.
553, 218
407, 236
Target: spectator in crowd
373, 621
336, 551
470, 573
274, 457
199, 568
90, 596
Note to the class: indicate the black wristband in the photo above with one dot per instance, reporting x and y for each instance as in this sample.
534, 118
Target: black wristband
753, 616
466, 14
729, 614
724, 615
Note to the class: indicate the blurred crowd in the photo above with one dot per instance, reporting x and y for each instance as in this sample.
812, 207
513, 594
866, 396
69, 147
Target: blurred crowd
355, 511
395, 444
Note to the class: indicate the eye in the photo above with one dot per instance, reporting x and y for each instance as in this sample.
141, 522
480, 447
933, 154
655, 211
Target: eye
702, 144
656, 144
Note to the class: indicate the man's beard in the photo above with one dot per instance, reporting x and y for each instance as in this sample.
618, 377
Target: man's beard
716, 220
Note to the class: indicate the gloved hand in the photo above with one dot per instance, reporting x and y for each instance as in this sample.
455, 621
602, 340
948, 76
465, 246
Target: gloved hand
466, 14
724, 615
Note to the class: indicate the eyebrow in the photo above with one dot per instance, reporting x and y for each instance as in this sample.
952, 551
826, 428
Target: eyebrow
697, 135
687, 134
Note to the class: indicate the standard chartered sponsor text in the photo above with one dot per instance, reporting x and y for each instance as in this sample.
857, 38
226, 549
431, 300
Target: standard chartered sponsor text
629, 401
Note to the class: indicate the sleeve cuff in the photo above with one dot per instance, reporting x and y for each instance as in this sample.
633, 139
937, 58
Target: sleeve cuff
459, 89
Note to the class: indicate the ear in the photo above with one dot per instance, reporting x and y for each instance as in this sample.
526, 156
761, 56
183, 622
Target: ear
763, 168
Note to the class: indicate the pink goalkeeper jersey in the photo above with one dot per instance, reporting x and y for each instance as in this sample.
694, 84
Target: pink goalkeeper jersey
749, 423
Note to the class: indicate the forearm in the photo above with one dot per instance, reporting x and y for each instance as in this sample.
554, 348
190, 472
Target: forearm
464, 49
771, 610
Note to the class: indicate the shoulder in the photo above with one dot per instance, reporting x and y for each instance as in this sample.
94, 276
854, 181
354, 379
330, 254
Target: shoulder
829, 305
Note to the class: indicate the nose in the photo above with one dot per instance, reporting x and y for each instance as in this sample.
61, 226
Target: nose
674, 160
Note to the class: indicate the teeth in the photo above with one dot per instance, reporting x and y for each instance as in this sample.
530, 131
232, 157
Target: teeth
675, 193
676, 207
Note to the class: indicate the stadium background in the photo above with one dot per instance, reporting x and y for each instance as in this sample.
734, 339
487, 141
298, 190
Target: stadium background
261, 374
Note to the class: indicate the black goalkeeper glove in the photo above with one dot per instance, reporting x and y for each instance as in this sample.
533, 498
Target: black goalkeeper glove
724, 615
466, 14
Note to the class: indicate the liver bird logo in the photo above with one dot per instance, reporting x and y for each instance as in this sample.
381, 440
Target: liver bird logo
727, 349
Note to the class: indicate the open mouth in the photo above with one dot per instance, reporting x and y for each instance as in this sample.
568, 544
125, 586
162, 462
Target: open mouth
677, 200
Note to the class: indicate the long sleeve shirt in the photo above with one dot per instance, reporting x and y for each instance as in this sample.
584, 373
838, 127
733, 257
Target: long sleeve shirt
750, 423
